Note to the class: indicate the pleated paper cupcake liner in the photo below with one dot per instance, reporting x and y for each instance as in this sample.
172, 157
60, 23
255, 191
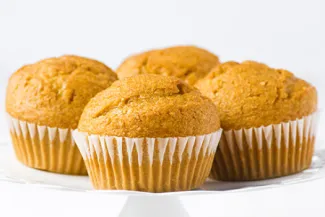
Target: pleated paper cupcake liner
265, 152
46, 148
147, 164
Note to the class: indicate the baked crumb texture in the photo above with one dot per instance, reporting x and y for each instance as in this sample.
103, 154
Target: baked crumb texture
188, 63
149, 106
54, 91
251, 94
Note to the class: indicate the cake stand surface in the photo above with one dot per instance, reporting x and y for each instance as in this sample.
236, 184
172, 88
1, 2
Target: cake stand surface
142, 203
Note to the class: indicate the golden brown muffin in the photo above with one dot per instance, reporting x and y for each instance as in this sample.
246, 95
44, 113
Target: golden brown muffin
252, 94
148, 133
268, 118
149, 106
188, 63
54, 91
44, 101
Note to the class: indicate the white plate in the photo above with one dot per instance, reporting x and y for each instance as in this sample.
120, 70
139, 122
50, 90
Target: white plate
13, 171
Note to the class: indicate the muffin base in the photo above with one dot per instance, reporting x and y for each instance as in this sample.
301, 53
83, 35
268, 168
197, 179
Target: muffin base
46, 148
265, 152
148, 164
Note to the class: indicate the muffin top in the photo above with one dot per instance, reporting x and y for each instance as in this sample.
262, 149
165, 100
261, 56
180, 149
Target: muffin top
149, 106
54, 91
188, 63
251, 94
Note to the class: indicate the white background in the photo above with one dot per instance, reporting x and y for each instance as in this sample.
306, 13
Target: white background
282, 33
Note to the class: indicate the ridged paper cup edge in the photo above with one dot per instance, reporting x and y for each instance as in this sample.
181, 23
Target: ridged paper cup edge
298, 129
41, 157
89, 144
257, 153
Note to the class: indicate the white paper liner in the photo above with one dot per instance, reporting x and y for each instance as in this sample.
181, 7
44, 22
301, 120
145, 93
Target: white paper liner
147, 164
296, 130
59, 138
27, 129
237, 148
91, 144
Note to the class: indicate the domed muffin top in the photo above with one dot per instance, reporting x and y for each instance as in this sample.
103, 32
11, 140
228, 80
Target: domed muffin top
54, 91
149, 106
188, 63
251, 94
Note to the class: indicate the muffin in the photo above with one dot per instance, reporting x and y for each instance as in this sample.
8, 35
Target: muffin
188, 63
44, 102
148, 133
268, 117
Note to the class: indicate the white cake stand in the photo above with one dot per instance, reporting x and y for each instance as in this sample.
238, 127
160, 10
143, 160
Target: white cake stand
144, 204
